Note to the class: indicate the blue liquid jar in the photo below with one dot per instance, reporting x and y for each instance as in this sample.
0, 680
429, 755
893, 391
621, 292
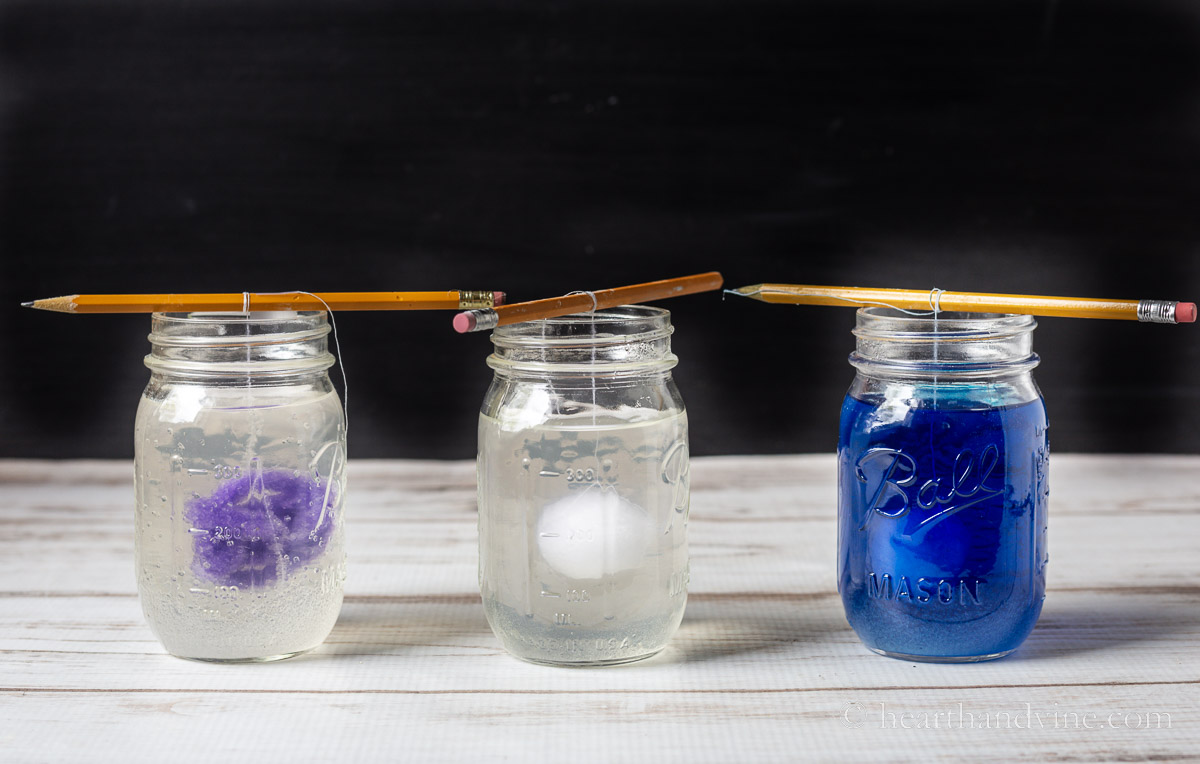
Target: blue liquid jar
942, 486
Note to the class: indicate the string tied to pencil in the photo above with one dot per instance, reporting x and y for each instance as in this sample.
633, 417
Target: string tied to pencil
589, 294
337, 346
935, 299
337, 350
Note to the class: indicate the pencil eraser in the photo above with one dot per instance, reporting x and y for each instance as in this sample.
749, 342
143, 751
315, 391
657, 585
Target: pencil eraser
464, 322
1185, 312
497, 298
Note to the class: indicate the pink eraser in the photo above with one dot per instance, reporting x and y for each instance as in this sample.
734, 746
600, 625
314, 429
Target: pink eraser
1185, 312
497, 298
464, 322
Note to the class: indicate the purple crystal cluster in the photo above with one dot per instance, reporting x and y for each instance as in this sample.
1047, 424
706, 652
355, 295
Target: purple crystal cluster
258, 525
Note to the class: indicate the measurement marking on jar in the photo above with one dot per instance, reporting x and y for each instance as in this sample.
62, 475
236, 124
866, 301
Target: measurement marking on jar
563, 619
197, 590
197, 472
198, 531
549, 473
581, 475
549, 594
548, 535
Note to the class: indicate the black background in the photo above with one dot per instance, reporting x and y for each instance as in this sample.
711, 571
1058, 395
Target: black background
539, 148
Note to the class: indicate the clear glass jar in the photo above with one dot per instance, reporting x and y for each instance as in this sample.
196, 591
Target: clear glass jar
583, 488
942, 486
240, 479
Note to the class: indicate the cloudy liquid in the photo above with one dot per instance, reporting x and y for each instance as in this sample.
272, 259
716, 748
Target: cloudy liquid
195, 443
583, 549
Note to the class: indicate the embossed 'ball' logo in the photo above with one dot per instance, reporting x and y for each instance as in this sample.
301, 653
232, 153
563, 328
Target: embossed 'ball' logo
890, 475
676, 472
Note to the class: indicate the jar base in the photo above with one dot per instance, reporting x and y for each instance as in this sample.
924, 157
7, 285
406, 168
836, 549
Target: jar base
264, 659
941, 658
589, 664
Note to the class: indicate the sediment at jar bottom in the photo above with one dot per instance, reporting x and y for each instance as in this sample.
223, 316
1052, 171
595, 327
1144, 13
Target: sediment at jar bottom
530, 640
228, 623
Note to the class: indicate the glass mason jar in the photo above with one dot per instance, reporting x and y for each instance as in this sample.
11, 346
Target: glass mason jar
942, 486
583, 488
240, 481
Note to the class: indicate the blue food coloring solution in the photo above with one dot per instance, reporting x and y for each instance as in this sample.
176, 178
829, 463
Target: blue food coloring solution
942, 521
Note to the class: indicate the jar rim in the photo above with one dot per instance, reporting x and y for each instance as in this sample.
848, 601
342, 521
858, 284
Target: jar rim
891, 323
212, 344
950, 344
235, 316
646, 323
625, 340
261, 327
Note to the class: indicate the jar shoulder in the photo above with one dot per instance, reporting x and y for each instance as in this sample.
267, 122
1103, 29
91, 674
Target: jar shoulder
165, 401
555, 398
961, 395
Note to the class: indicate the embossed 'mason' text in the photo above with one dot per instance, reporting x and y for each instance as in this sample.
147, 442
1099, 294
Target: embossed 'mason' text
942, 591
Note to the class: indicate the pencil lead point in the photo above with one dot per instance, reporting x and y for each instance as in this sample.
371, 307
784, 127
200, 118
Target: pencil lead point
27, 304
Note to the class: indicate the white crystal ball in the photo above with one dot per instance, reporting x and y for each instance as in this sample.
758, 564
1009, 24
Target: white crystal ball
593, 533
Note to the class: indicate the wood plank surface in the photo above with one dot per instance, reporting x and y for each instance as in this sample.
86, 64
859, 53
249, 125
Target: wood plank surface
764, 667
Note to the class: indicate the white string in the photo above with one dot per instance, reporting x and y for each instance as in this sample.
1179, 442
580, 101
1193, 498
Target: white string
337, 346
595, 303
935, 301
880, 304
606, 591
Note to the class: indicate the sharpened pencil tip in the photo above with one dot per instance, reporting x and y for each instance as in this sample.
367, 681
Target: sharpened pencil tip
27, 304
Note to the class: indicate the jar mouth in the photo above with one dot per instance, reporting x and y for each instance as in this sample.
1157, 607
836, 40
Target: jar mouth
216, 328
219, 343
630, 339
620, 325
890, 323
966, 345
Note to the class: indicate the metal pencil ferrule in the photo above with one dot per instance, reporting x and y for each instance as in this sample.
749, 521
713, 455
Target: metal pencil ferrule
1156, 311
469, 299
485, 319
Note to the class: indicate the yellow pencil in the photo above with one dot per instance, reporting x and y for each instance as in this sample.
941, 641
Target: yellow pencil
1153, 311
252, 301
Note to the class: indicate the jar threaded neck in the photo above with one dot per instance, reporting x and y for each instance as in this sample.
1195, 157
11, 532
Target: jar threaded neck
946, 344
631, 339
218, 344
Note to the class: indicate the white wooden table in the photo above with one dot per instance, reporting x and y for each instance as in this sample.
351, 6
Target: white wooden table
763, 668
